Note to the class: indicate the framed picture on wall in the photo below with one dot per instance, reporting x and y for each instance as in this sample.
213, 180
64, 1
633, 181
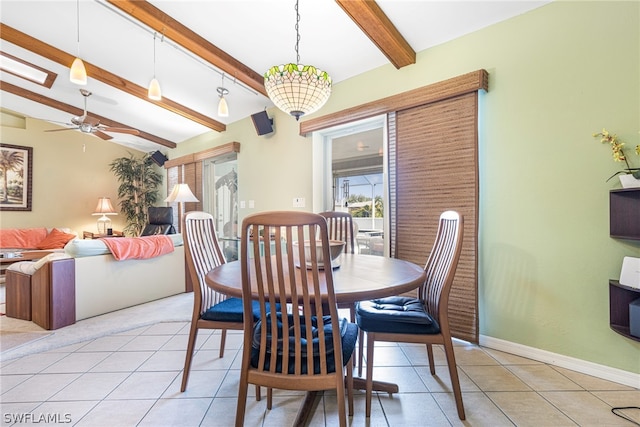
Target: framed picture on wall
16, 163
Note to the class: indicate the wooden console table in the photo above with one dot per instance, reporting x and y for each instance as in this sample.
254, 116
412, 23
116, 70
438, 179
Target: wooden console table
91, 235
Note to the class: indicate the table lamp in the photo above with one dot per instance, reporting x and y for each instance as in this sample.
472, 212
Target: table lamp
104, 208
180, 194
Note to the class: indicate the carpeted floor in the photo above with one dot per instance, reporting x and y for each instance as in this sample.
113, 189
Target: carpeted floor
20, 337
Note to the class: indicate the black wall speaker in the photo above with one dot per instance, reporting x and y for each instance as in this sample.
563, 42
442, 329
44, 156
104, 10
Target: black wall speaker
158, 158
262, 123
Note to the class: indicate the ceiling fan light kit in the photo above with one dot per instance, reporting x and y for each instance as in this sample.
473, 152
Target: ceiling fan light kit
297, 89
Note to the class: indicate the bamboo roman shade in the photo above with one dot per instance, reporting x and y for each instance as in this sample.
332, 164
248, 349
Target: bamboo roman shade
435, 169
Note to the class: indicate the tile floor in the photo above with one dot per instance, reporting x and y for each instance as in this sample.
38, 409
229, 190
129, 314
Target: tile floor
133, 379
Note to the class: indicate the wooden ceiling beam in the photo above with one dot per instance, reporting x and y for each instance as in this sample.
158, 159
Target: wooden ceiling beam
41, 99
63, 58
154, 18
380, 30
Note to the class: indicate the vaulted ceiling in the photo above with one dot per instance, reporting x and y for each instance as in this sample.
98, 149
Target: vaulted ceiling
201, 45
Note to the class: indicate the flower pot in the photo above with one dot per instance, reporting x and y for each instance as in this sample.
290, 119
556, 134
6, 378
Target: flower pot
629, 181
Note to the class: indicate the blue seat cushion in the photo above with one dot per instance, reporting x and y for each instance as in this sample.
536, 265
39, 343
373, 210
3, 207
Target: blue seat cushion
348, 334
402, 315
230, 310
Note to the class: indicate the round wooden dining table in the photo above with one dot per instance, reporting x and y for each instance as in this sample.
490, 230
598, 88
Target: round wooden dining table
357, 278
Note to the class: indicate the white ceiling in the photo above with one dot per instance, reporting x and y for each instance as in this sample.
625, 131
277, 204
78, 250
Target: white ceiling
259, 34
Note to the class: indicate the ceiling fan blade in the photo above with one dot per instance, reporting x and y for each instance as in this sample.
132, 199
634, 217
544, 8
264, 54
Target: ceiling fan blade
102, 135
91, 121
121, 130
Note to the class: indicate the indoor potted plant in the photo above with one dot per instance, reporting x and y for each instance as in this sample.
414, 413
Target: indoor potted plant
629, 176
139, 181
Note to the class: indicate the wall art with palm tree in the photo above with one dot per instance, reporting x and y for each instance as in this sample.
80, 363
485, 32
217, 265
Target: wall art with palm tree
16, 163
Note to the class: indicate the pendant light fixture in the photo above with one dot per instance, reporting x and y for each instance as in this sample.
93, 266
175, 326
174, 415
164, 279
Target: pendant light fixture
297, 89
223, 108
77, 73
154, 86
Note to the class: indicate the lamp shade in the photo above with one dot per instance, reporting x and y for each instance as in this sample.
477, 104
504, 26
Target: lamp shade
154, 90
181, 193
77, 73
104, 207
223, 108
297, 89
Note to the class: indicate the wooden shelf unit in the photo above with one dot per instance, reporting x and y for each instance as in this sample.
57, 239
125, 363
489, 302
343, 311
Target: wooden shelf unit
619, 298
624, 213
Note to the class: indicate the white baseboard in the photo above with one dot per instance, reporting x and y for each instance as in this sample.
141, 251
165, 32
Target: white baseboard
619, 376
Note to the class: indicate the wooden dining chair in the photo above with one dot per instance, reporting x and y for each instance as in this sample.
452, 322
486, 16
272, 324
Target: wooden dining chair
308, 346
341, 227
211, 309
423, 319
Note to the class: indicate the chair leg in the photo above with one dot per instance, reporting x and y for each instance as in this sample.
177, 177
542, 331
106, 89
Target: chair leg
193, 334
360, 351
453, 373
269, 398
342, 410
432, 366
242, 399
369, 380
223, 339
349, 384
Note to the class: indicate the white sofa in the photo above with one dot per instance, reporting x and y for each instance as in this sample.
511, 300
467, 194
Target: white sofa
103, 284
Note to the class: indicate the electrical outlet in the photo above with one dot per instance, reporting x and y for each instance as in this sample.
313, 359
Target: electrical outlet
252, 204
298, 202
242, 204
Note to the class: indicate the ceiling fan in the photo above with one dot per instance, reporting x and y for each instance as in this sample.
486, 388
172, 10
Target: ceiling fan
87, 124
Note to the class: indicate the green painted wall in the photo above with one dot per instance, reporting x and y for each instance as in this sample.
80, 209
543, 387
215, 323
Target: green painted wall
557, 74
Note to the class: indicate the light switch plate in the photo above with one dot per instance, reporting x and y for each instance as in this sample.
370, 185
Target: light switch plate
298, 202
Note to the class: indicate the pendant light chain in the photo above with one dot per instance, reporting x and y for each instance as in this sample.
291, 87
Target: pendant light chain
297, 33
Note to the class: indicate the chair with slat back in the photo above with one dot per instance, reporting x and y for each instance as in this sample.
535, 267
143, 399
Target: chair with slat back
341, 227
211, 309
423, 319
307, 347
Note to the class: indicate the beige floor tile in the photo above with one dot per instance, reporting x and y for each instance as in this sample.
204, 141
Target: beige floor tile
143, 385
509, 359
122, 361
32, 364
146, 343
110, 413
589, 382
619, 399
200, 384
164, 361
406, 378
543, 377
389, 356
38, 388
526, 409
417, 355
412, 409
359, 418
14, 412
91, 386
584, 408
173, 412
494, 378
165, 328
479, 410
10, 381
222, 412
178, 343
76, 362
441, 381
110, 343
472, 355
62, 413
210, 359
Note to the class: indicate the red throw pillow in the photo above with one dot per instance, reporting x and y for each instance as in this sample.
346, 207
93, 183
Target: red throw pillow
21, 238
55, 240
